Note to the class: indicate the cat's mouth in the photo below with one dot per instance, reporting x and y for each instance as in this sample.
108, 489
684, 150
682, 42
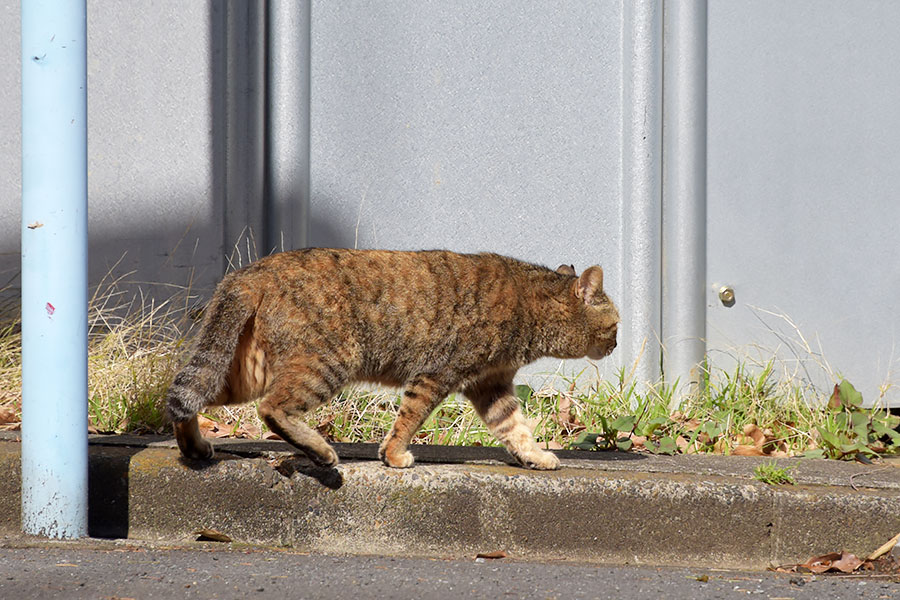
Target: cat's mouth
598, 352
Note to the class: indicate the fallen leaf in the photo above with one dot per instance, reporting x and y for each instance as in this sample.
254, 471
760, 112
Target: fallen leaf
638, 440
834, 402
8, 415
551, 445
495, 554
206, 424
249, 431
325, 425
746, 450
754, 433
211, 535
692, 424
847, 563
271, 436
833, 561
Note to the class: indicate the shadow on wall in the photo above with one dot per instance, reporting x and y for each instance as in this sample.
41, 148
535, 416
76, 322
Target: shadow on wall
154, 262
159, 263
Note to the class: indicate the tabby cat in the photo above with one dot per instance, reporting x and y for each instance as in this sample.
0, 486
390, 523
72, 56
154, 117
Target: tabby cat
294, 328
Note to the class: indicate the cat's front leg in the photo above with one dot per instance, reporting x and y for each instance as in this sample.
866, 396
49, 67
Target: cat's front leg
421, 396
497, 405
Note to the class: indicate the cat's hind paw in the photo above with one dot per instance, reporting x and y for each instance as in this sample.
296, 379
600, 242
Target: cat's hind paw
325, 457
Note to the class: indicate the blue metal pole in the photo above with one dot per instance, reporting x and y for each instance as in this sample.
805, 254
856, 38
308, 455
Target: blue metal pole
54, 268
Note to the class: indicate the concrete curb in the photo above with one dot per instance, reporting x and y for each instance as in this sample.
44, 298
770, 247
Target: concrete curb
601, 507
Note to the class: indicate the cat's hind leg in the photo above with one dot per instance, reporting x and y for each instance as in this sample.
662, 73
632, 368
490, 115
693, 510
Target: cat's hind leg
293, 392
420, 397
497, 405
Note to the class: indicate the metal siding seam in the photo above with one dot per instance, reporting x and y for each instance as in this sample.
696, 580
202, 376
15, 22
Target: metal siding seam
684, 193
642, 188
287, 123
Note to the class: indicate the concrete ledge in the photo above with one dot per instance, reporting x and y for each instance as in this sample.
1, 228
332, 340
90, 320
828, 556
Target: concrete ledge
601, 507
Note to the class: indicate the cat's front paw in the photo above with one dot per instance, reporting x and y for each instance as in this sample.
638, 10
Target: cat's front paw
398, 460
540, 460
401, 460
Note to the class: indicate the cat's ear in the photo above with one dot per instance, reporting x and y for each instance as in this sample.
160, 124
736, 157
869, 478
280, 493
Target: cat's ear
590, 284
566, 269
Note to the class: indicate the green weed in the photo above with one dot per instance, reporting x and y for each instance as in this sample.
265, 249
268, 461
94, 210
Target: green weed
772, 474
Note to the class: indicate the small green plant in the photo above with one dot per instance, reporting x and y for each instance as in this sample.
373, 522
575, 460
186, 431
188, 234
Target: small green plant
771, 474
851, 431
614, 435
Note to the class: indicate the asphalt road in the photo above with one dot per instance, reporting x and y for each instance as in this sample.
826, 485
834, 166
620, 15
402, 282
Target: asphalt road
122, 572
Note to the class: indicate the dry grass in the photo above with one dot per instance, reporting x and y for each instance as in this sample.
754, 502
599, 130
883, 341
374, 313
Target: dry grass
135, 346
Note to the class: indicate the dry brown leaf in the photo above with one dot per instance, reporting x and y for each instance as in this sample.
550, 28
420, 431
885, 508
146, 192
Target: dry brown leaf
755, 433
206, 424
8, 415
692, 424
211, 535
682, 443
271, 436
552, 445
834, 402
248, 430
494, 554
847, 563
746, 450
833, 561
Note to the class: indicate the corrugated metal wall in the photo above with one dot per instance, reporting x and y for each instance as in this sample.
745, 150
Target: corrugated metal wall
803, 180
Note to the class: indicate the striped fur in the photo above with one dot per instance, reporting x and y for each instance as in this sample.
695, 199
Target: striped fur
294, 328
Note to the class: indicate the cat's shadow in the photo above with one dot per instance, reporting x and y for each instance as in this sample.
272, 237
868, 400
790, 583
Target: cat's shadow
287, 466
327, 476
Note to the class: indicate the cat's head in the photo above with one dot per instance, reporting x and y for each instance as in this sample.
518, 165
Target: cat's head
599, 316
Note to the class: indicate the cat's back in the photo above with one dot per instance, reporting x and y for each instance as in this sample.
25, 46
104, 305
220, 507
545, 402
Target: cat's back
389, 289
370, 274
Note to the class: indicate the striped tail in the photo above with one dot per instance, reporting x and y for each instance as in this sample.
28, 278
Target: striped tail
201, 381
